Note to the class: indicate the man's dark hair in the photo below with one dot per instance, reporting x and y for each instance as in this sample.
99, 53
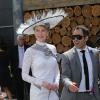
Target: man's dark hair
83, 28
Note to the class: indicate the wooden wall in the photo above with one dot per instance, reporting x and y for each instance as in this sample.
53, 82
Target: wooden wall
88, 15
86, 12
43, 4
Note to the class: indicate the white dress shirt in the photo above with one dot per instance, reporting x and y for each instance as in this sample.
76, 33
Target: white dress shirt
20, 55
90, 69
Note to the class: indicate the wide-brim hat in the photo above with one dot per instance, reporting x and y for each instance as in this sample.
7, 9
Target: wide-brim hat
51, 19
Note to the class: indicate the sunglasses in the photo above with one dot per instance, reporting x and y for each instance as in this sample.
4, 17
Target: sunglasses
76, 37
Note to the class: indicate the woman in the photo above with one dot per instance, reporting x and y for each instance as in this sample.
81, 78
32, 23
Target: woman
5, 79
41, 57
45, 73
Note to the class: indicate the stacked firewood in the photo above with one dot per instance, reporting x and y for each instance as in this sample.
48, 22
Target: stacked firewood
88, 15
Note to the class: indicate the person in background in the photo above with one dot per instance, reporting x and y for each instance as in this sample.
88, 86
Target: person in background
16, 59
97, 43
80, 68
5, 78
41, 57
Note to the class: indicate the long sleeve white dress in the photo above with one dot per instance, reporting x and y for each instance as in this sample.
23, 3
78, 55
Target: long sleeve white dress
44, 68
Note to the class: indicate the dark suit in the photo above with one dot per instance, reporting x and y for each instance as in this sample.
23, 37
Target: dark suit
71, 71
18, 83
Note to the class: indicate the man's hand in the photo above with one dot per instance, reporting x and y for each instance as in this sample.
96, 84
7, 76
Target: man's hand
73, 87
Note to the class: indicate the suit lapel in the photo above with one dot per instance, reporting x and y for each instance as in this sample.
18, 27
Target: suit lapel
77, 60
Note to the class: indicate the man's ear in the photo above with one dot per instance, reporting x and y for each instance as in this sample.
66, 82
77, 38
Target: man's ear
86, 38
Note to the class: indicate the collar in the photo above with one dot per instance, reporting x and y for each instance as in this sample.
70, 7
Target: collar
86, 49
20, 46
40, 43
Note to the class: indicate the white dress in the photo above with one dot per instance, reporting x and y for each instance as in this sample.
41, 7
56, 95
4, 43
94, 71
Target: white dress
44, 68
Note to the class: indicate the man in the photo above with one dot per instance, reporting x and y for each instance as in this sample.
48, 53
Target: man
98, 39
80, 69
98, 47
16, 55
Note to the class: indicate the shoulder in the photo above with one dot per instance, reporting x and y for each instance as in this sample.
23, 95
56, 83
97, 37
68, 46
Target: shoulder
66, 55
70, 51
50, 46
29, 50
93, 49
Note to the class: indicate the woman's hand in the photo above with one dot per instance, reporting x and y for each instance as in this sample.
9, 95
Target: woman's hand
46, 85
50, 86
54, 87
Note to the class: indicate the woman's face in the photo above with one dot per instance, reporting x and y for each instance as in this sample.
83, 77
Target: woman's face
41, 33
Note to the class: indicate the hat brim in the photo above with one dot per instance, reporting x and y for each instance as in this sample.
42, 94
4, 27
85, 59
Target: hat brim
27, 28
50, 20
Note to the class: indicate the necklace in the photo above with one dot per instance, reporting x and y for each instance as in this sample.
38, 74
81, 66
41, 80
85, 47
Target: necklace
44, 49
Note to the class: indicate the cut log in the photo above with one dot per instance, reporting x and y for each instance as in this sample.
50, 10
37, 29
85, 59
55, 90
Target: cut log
94, 30
27, 16
60, 48
66, 22
95, 21
49, 39
87, 21
69, 32
96, 10
66, 48
69, 28
63, 31
80, 20
87, 11
93, 39
73, 24
77, 11
69, 11
66, 41
57, 29
56, 38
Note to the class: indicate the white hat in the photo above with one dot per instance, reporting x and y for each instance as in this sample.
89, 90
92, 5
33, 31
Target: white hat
51, 19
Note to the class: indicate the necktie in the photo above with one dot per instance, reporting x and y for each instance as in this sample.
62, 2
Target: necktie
85, 70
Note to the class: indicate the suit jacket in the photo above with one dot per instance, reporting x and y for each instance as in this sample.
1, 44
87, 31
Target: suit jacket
71, 72
14, 61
